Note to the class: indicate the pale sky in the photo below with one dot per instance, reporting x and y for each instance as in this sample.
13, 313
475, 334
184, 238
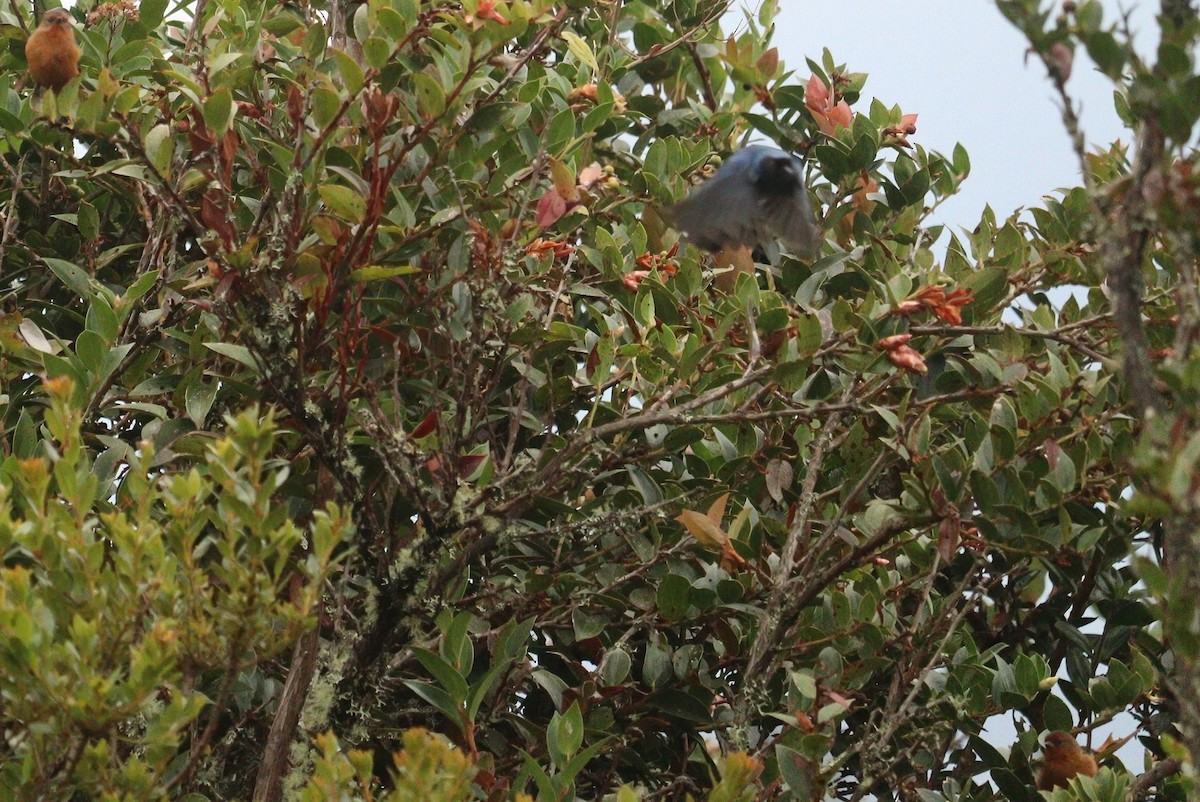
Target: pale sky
960, 65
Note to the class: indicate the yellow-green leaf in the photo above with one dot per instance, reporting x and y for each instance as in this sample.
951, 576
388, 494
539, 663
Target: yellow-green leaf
159, 148
431, 100
344, 202
381, 272
580, 50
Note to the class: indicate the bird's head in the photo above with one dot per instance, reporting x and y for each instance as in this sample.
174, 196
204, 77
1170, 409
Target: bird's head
1059, 740
57, 17
777, 175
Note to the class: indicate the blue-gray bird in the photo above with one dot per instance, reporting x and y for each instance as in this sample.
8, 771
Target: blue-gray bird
755, 197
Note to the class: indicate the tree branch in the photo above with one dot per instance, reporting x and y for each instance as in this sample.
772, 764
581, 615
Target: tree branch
1123, 251
268, 785
1153, 778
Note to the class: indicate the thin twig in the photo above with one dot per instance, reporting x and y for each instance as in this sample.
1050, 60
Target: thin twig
770, 624
11, 214
710, 99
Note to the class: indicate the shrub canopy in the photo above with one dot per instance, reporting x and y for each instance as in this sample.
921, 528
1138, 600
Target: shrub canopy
355, 387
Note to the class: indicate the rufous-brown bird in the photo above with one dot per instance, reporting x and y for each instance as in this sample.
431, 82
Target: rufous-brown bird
1063, 759
51, 51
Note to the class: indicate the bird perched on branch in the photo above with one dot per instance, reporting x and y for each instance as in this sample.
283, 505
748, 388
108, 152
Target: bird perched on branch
51, 51
757, 196
1063, 759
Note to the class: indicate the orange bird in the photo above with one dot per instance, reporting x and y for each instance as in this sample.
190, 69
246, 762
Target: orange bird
1062, 760
51, 51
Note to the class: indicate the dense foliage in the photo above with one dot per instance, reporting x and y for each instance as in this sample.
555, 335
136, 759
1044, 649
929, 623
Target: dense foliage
355, 388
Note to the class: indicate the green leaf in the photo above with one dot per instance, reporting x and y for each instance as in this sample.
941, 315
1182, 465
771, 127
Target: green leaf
72, 276
351, 73
393, 24
551, 684
91, 350
364, 275
140, 287
797, 771
159, 149
238, 353
656, 667
150, 13
672, 596
531, 768
456, 646
1056, 714
1010, 785
343, 201
88, 221
198, 400
450, 680
615, 666
830, 712
586, 626
681, 705
377, 52
479, 690
564, 736
224, 60
580, 50
282, 23
562, 131
325, 106
580, 761
431, 100
218, 111
439, 699
988, 286
1109, 56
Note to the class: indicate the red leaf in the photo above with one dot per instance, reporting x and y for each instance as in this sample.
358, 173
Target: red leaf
468, 463
427, 425
550, 208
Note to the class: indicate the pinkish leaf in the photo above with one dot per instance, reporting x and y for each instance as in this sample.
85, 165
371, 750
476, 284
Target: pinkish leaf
550, 208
